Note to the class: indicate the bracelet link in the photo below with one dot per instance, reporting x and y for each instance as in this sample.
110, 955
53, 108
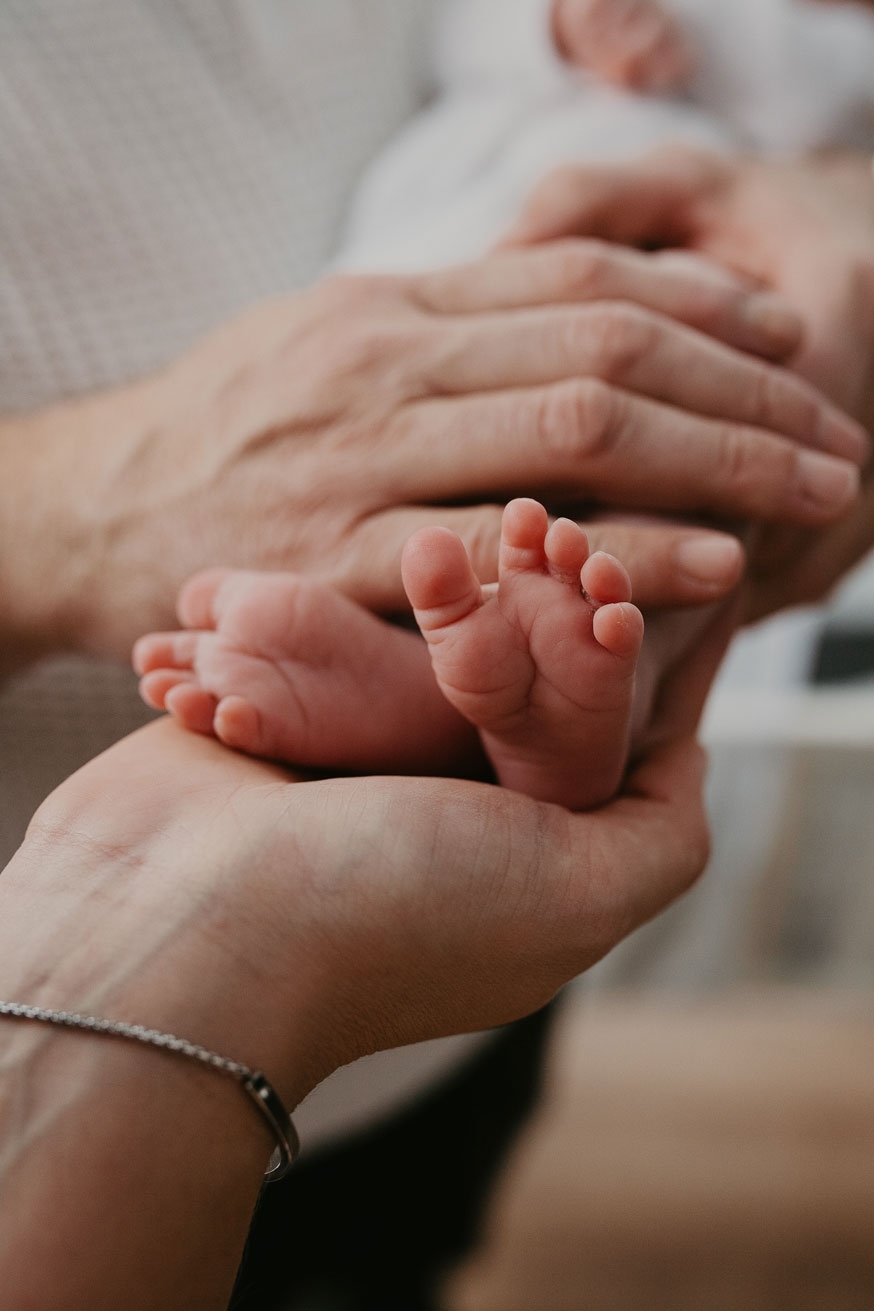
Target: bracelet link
258, 1087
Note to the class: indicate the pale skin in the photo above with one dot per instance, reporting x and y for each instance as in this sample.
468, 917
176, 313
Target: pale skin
542, 665
293, 927
169, 893
638, 44
631, 43
803, 228
317, 432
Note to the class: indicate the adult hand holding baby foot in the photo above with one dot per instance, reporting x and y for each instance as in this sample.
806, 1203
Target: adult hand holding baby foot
316, 432
293, 927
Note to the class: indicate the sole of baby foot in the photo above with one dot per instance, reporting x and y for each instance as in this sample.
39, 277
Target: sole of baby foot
543, 664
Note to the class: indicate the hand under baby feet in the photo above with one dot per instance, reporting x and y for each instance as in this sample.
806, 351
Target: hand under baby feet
631, 43
284, 667
543, 662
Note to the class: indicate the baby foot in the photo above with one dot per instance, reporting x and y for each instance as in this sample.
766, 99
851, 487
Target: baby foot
632, 43
283, 667
543, 662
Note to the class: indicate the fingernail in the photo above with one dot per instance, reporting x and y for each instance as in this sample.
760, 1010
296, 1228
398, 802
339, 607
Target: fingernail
826, 481
714, 558
769, 315
842, 436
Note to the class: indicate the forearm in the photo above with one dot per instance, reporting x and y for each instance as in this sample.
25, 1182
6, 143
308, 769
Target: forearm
127, 1174
89, 1125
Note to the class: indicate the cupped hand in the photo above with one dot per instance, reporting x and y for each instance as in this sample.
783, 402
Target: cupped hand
183, 881
290, 926
317, 432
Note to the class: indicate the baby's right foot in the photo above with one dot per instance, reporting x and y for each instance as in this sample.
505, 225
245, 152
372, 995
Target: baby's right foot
543, 664
632, 43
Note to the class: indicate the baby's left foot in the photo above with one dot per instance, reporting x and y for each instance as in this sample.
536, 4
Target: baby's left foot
543, 663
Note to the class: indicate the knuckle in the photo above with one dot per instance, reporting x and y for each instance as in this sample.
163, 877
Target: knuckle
564, 183
733, 458
761, 396
581, 268
371, 350
782, 403
616, 337
577, 419
350, 291
753, 467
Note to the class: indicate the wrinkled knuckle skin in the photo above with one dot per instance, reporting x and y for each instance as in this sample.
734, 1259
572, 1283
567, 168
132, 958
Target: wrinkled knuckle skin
375, 353
564, 184
359, 291
753, 470
734, 470
623, 337
576, 419
581, 268
761, 397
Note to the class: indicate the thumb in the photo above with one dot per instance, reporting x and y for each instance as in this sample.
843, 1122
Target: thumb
648, 202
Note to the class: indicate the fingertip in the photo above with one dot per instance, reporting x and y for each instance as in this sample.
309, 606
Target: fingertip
770, 318
713, 562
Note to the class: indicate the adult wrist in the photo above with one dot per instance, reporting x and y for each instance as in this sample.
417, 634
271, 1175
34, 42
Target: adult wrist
62, 520
137, 917
39, 546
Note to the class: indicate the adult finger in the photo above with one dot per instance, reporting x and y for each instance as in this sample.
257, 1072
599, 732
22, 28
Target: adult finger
670, 564
683, 286
647, 201
647, 847
586, 440
644, 352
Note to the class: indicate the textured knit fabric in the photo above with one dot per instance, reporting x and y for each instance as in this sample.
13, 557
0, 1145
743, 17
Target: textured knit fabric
776, 76
162, 164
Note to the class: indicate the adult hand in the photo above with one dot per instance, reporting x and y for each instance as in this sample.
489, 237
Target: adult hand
804, 229
317, 432
291, 926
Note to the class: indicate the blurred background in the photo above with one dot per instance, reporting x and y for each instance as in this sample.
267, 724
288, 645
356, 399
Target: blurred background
706, 1138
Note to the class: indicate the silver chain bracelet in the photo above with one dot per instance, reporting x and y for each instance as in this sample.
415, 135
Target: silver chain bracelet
261, 1091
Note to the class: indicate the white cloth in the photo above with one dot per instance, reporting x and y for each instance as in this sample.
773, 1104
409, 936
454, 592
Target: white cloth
774, 75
